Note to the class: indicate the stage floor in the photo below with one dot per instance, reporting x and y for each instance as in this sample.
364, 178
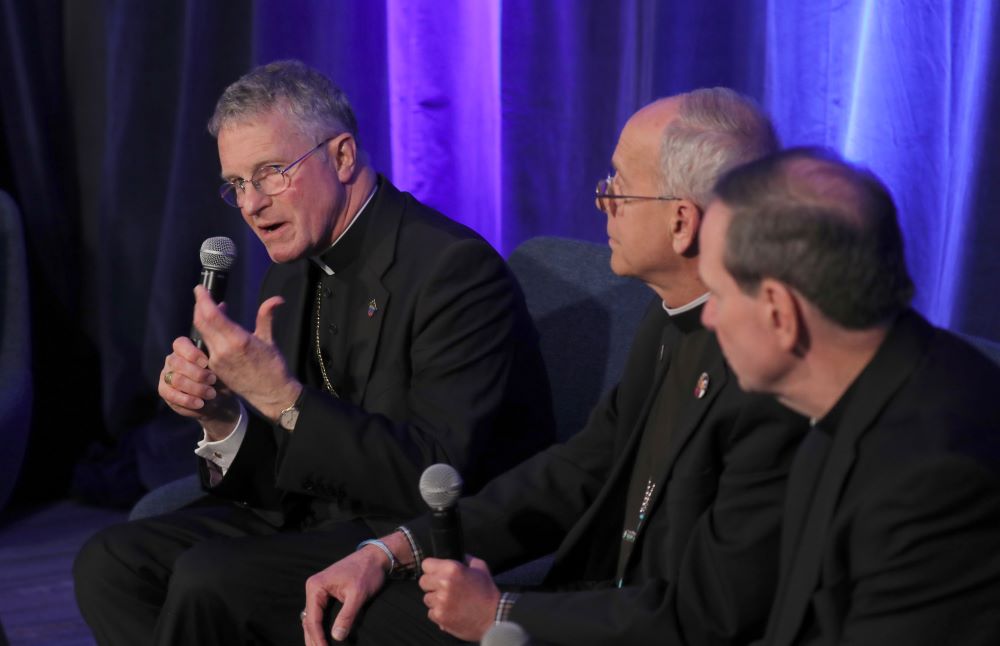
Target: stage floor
37, 547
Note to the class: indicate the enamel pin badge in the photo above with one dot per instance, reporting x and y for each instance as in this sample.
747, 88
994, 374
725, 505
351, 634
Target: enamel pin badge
702, 386
372, 308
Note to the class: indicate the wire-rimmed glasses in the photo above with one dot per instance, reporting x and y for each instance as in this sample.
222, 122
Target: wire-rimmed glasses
270, 179
608, 200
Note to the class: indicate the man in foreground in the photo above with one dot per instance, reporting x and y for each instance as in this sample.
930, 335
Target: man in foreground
664, 510
892, 518
388, 338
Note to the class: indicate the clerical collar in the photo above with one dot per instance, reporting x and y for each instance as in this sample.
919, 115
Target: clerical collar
674, 311
829, 422
687, 318
323, 261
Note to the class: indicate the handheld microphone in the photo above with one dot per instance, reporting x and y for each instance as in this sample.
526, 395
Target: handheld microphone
217, 257
505, 633
440, 487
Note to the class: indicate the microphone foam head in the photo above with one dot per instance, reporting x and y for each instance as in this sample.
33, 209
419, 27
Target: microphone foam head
218, 253
505, 633
440, 486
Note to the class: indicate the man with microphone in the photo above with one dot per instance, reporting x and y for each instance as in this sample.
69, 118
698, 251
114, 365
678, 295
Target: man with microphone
388, 338
664, 511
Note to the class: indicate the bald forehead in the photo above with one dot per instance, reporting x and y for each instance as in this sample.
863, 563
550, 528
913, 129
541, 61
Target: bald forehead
639, 144
656, 115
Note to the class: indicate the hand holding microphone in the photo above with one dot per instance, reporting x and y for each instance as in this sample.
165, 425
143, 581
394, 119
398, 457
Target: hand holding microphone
217, 257
186, 383
249, 364
461, 599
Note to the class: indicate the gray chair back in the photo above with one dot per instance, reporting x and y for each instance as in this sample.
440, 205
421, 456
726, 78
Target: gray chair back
586, 317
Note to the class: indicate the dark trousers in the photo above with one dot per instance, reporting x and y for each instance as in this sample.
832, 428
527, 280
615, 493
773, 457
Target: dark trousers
212, 573
396, 615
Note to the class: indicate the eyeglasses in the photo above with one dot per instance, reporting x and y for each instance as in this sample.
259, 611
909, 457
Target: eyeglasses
607, 198
269, 180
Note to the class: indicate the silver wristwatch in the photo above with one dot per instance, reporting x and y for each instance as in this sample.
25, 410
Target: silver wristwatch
288, 417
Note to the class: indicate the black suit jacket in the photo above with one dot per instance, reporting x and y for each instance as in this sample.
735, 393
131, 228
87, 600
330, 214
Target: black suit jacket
446, 368
900, 541
704, 566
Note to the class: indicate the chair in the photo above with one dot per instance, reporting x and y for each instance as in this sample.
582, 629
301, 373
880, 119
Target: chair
585, 315
15, 346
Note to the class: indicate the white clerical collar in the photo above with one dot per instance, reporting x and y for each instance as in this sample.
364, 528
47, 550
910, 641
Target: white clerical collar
674, 311
318, 260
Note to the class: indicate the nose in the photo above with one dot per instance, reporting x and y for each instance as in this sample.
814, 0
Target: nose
605, 206
252, 201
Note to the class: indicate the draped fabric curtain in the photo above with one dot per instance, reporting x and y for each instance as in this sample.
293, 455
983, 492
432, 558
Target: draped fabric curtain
501, 113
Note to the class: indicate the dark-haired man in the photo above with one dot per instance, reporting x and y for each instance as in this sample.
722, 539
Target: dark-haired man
388, 338
892, 518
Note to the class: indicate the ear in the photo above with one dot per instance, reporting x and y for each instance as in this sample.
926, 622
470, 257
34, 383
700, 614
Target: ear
342, 151
784, 316
685, 222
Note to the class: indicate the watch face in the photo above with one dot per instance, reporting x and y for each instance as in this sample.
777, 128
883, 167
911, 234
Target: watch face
288, 418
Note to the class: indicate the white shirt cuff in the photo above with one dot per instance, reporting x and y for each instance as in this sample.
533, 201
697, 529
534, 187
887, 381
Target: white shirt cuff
223, 452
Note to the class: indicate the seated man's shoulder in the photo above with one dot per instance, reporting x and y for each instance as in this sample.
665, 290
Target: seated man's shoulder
423, 228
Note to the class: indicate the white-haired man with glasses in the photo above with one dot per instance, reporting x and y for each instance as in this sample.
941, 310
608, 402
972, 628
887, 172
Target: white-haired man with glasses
664, 511
388, 338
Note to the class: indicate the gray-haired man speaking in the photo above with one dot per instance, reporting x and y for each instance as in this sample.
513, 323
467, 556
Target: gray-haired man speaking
388, 338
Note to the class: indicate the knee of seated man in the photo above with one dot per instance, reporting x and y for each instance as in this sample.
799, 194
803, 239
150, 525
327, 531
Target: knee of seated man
104, 556
208, 568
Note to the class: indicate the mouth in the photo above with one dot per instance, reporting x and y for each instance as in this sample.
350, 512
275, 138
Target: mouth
270, 230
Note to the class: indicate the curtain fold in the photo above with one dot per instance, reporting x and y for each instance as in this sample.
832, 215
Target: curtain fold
501, 113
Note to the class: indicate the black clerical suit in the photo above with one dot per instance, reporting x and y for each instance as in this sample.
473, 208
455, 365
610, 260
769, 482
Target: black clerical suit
427, 342
702, 566
892, 525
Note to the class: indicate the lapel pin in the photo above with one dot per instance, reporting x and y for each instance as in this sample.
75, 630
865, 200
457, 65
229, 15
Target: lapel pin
702, 386
372, 308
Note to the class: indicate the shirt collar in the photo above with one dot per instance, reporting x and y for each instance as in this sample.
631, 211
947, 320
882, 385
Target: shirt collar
318, 259
674, 311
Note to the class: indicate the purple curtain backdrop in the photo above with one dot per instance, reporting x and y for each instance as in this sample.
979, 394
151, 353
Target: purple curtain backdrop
501, 113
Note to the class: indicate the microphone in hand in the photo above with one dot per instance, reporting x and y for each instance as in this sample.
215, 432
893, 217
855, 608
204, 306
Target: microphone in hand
441, 487
217, 255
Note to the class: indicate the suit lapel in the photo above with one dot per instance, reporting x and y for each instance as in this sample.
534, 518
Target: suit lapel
886, 373
694, 412
581, 533
377, 253
288, 325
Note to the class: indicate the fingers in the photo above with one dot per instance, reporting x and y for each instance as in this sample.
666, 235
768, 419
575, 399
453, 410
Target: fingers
438, 576
185, 382
265, 316
342, 623
211, 321
184, 348
478, 564
316, 600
